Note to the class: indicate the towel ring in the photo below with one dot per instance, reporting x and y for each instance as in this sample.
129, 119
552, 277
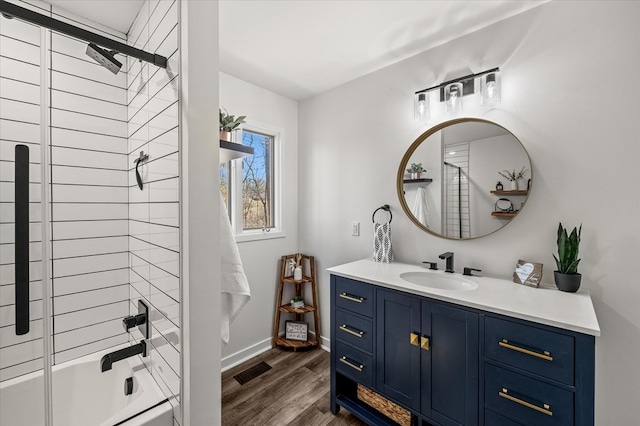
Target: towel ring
385, 208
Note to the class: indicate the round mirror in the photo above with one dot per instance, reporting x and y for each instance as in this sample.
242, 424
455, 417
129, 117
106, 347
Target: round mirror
451, 177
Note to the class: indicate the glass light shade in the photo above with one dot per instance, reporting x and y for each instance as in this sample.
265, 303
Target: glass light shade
453, 98
421, 107
491, 89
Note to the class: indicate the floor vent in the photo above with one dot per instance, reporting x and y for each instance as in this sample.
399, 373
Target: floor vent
252, 372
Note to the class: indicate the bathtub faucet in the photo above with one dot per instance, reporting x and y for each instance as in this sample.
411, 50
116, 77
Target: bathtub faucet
107, 361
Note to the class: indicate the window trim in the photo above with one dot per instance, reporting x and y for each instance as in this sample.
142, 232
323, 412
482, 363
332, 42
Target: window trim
235, 176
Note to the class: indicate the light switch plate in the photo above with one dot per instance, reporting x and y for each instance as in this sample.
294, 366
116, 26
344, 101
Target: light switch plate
355, 229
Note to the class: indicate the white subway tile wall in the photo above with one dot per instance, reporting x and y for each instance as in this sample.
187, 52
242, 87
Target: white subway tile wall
19, 125
154, 231
112, 244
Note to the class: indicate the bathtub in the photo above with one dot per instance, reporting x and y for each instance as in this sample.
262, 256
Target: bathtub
83, 396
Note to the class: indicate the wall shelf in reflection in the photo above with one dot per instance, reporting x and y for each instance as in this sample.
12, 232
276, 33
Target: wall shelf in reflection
231, 151
514, 192
426, 180
503, 214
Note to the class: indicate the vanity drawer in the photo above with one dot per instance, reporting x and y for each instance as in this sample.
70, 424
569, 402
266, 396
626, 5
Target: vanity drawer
538, 351
354, 364
493, 419
354, 296
527, 400
354, 329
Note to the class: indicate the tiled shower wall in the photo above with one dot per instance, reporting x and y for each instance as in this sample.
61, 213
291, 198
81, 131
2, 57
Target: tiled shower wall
154, 225
89, 194
19, 124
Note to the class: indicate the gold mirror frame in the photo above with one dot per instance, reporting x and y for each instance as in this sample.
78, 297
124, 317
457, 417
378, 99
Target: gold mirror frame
416, 144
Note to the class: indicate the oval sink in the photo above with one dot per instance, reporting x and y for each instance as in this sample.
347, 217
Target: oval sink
439, 281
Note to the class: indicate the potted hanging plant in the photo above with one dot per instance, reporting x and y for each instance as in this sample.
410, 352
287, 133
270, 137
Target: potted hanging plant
567, 277
228, 123
513, 176
415, 169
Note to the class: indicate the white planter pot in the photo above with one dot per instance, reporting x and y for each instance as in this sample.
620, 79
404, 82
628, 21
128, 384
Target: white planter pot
514, 185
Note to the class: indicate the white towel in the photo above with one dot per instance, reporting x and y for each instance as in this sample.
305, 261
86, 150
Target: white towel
234, 283
420, 209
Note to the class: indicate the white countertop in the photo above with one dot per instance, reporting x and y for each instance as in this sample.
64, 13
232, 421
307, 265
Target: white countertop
544, 305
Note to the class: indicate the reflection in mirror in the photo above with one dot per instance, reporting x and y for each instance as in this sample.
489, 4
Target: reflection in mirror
456, 196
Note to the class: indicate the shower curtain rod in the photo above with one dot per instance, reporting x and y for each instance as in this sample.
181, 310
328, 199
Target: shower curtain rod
12, 11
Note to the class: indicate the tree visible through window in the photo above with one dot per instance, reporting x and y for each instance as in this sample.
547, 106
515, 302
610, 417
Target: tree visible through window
257, 182
250, 185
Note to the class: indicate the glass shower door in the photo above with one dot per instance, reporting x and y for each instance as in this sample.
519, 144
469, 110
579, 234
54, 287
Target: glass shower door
22, 323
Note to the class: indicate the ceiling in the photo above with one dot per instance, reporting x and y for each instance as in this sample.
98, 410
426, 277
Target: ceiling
301, 48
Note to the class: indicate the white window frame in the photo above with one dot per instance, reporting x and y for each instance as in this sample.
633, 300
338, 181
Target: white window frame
235, 187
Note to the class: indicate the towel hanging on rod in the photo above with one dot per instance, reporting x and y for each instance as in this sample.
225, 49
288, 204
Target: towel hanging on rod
382, 247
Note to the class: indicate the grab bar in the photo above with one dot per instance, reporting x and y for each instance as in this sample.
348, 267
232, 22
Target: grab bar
21, 218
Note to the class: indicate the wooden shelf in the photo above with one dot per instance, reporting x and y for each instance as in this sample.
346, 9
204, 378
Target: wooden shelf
509, 192
292, 310
425, 180
296, 344
505, 215
308, 265
231, 150
290, 280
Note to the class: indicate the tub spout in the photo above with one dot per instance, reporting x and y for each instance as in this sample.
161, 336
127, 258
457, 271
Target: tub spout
107, 361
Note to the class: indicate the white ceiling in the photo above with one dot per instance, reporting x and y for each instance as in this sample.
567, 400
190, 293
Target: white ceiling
301, 48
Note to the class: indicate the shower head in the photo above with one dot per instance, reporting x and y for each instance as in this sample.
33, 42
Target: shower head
104, 58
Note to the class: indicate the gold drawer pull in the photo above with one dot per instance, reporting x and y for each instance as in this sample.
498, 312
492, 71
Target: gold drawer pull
544, 409
546, 355
352, 298
355, 367
414, 339
424, 343
358, 333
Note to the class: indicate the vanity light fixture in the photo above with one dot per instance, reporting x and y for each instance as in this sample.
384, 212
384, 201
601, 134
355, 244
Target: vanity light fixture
490, 88
421, 107
453, 98
452, 92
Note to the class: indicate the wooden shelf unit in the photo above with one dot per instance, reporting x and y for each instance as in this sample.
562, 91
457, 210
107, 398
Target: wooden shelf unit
503, 214
298, 314
510, 192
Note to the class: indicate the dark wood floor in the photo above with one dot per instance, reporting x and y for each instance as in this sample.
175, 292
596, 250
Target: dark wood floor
294, 392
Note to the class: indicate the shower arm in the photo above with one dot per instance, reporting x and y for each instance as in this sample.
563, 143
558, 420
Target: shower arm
11, 10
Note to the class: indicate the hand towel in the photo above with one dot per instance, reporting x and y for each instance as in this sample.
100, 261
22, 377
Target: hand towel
420, 209
234, 284
382, 249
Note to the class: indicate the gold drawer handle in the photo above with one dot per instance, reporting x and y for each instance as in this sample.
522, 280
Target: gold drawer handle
424, 343
544, 409
358, 333
414, 339
355, 367
352, 298
546, 355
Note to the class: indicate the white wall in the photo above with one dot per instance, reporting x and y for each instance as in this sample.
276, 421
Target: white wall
261, 259
563, 65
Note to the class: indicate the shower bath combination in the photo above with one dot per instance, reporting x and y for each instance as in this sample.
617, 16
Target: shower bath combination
72, 373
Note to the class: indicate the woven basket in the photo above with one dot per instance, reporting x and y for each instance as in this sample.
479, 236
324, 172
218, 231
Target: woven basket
383, 405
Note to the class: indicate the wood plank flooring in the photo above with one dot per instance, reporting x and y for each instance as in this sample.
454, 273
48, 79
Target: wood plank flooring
295, 392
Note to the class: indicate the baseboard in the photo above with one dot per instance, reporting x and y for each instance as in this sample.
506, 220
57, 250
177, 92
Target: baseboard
252, 351
325, 343
245, 354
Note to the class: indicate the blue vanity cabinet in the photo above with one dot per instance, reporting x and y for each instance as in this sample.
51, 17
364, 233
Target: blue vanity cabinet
537, 375
427, 357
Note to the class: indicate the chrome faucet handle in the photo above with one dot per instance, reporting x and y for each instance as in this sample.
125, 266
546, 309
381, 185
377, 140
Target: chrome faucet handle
432, 265
469, 271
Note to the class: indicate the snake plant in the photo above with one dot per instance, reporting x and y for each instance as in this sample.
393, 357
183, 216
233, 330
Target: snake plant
568, 245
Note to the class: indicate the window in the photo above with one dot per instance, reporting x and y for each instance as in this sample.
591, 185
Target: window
251, 187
